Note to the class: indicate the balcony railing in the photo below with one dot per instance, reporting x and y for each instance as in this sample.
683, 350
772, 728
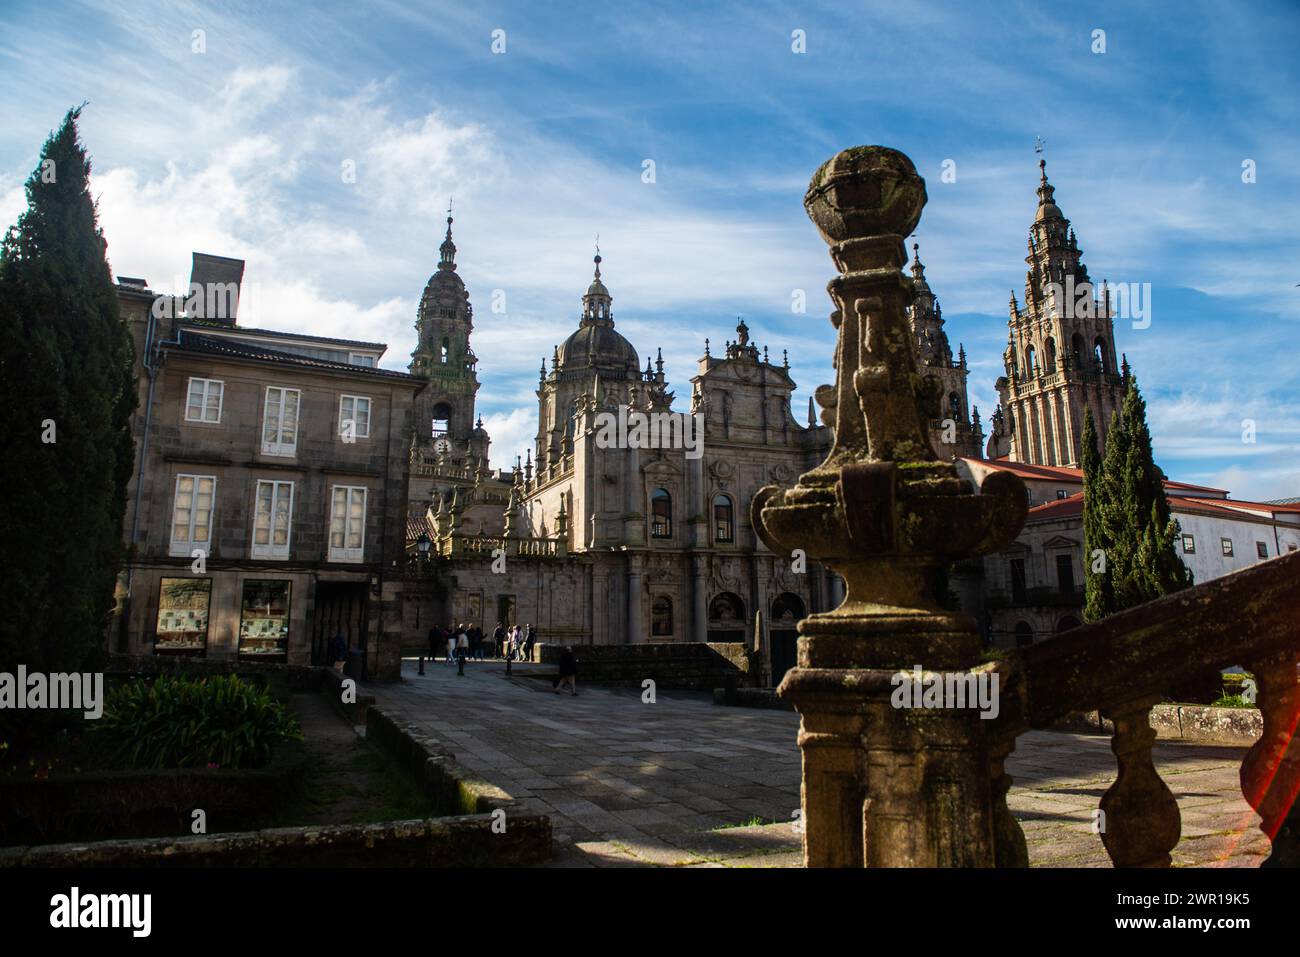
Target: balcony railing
1124, 664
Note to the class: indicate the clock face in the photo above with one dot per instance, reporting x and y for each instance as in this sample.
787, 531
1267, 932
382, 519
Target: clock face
442, 446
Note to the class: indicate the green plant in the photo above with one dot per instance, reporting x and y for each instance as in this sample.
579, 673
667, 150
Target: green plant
1233, 701
185, 722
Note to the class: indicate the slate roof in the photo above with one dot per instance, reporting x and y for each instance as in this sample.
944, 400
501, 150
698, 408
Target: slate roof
199, 344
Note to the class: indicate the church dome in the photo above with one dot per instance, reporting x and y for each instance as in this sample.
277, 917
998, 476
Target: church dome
596, 342
604, 344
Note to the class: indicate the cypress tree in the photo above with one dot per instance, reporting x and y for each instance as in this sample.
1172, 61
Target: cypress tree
1099, 596
66, 382
1156, 568
1127, 515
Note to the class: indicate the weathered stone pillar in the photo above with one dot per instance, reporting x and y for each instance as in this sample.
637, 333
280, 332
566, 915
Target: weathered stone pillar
699, 598
634, 598
885, 784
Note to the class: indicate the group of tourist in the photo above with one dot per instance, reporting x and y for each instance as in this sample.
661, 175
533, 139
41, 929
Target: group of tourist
460, 643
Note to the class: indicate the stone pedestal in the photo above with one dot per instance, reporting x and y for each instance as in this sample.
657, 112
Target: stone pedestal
885, 784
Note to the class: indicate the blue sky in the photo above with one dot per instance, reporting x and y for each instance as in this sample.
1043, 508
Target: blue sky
238, 150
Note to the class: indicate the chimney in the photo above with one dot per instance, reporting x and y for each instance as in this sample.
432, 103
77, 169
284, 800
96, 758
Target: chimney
214, 288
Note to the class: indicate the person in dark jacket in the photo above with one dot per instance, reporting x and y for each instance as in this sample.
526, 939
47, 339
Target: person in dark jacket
568, 672
338, 651
529, 640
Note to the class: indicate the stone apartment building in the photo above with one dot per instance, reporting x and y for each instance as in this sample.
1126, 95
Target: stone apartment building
268, 508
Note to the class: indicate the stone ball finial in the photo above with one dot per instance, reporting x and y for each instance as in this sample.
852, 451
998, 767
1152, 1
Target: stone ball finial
865, 191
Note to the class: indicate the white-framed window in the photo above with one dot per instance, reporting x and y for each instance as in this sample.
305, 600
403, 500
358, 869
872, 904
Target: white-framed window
203, 400
361, 359
356, 410
280, 421
1189, 544
272, 518
192, 507
347, 523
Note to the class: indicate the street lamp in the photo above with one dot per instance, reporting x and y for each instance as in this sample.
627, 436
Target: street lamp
423, 543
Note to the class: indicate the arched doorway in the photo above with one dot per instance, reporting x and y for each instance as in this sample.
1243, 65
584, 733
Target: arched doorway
1024, 634
787, 612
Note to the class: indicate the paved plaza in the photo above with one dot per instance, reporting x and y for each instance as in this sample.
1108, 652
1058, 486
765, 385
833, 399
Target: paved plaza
685, 782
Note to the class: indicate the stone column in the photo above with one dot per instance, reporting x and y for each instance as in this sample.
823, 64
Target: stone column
634, 632
699, 598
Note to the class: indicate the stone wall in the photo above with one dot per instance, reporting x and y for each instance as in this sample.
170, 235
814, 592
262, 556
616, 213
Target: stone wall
1184, 722
693, 666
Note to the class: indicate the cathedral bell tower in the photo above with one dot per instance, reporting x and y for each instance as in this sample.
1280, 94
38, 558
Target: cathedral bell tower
444, 411
956, 431
1060, 358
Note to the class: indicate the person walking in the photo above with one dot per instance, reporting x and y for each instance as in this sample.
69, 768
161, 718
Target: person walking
499, 639
449, 637
529, 640
435, 641
462, 650
338, 651
568, 673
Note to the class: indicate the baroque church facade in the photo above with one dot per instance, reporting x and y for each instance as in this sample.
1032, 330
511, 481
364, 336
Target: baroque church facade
605, 545
622, 545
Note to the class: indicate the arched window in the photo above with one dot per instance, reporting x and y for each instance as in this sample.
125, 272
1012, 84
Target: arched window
724, 525
445, 351
441, 420
727, 607
1024, 634
954, 405
661, 617
570, 420
661, 514
1031, 362
1077, 348
1099, 354
787, 609
1051, 354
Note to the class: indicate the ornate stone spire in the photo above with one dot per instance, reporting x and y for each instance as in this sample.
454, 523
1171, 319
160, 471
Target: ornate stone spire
448, 248
596, 301
1047, 208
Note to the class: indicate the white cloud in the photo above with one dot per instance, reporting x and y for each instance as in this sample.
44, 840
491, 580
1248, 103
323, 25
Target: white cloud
512, 435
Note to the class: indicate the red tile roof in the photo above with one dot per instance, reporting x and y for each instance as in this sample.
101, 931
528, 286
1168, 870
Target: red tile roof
1066, 474
1061, 508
